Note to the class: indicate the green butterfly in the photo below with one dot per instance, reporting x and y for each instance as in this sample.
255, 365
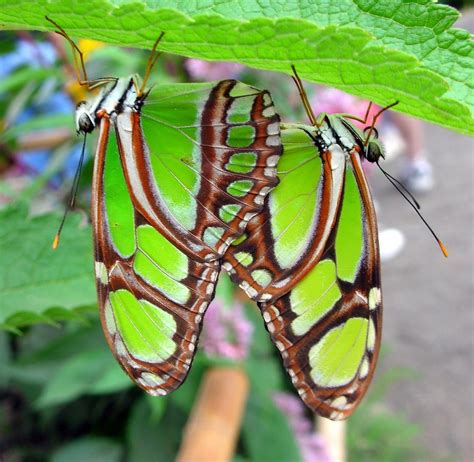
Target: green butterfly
311, 261
179, 171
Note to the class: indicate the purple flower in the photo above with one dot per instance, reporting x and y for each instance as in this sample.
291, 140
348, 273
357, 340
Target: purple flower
311, 445
227, 333
205, 70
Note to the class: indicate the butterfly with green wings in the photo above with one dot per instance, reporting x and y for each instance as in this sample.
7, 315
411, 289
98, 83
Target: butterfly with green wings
311, 261
179, 171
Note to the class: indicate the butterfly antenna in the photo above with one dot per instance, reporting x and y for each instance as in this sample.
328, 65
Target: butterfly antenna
374, 120
369, 107
72, 194
304, 97
393, 179
79, 65
154, 55
415, 206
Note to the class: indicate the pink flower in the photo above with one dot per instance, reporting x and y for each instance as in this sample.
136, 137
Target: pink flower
206, 70
226, 333
335, 101
311, 445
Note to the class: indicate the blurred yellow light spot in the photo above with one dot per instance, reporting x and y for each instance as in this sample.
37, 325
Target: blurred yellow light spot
87, 46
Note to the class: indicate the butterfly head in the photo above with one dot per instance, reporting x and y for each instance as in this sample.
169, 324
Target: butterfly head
85, 122
373, 148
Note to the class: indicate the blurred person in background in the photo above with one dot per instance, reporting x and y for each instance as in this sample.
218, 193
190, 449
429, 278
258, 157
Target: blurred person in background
416, 173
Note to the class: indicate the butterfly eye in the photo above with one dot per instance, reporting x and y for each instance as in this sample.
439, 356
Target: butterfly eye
374, 151
84, 121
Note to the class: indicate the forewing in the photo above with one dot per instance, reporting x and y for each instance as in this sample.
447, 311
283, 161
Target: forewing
285, 240
210, 152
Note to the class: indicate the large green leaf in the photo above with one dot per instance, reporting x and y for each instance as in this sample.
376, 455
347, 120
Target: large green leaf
38, 284
380, 50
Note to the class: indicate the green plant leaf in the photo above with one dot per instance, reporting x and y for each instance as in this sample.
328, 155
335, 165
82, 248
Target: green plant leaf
379, 50
150, 440
38, 284
89, 448
43, 350
266, 433
374, 433
266, 375
5, 357
88, 372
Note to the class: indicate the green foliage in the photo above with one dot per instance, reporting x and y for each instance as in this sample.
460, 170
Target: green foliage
266, 433
37, 283
89, 448
152, 439
91, 371
383, 436
382, 51
376, 434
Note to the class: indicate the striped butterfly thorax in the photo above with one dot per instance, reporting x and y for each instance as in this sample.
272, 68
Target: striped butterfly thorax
311, 261
179, 171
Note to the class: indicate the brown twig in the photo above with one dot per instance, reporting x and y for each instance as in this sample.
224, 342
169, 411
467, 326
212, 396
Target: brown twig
213, 427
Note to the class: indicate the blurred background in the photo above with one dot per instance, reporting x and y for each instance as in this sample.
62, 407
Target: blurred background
63, 397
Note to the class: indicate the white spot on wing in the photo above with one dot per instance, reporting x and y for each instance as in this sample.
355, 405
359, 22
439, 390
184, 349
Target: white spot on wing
273, 128
272, 160
267, 99
364, 368
101, 273
340, 402
273, 140
375, 297
269, 112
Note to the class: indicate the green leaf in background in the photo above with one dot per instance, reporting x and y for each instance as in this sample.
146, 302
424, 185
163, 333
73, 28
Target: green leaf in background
266, 375
45, 122
386, 436
88, 372
5, 357
379, 50
89, 449
156, 406
266, 433
38, 284
149, 440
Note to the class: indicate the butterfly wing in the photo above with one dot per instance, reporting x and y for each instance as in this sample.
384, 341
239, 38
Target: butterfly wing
212, 160
158, 237
285, 240
327, 325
